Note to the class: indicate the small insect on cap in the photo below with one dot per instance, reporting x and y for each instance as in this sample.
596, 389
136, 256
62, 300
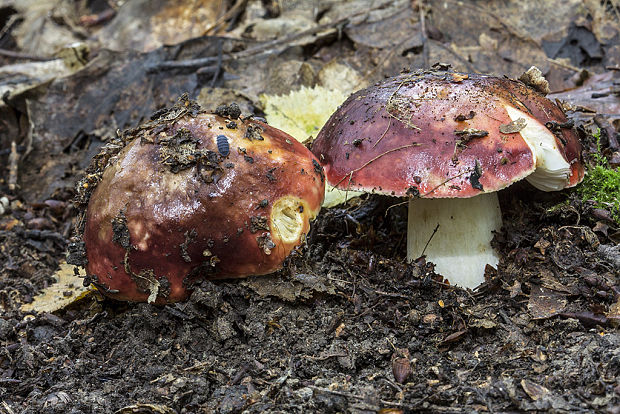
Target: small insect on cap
445, 134
196, 195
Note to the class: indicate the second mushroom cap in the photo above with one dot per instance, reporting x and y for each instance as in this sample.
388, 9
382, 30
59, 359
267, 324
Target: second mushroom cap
445, 135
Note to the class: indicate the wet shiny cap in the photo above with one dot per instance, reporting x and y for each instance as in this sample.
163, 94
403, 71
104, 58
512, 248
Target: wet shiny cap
197, 195
443, 134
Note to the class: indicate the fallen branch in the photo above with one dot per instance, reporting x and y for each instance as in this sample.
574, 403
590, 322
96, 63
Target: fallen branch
267, 48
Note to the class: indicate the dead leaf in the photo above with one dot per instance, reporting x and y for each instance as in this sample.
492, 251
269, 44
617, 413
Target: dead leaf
146, 408
534, 390
453, 337
515, 289
542, 244
545, 303
482, 323
614, 313
67, 290
144, 25
548, 280
302, 113
513, 127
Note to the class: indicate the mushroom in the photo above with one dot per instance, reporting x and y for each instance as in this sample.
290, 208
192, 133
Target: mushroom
190, 195
449, 141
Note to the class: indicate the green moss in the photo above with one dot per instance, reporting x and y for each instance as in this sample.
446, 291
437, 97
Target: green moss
602, 184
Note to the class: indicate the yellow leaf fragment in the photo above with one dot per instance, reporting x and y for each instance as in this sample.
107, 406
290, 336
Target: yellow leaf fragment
302, 113
67, 290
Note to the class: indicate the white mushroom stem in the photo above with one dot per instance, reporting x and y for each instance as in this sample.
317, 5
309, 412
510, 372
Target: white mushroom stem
461, 246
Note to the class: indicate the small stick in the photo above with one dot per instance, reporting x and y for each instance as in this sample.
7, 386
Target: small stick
20, 55
375, 159
13, 158
423, 37
444, 183
224, 17
429, 239
262, 49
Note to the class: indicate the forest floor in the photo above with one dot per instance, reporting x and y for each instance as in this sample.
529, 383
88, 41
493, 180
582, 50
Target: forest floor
347, 325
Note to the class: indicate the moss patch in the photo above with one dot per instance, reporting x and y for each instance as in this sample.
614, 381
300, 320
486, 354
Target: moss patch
602, 185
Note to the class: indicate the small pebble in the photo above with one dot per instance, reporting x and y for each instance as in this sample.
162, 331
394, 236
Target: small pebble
4, 205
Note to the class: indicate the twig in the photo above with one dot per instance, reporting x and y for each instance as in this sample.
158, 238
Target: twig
564, 65
7, 409
513, 31
9, 25
262, 49
91, 20
218, 66
395, 205
392, 295
350, 173
325, 357
13, 159
224, 17
360, 397
430, 238
423, 36
266, 48
20, 55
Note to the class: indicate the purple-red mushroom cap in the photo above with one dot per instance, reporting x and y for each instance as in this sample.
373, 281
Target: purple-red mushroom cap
198, 196
435, 136
447, 135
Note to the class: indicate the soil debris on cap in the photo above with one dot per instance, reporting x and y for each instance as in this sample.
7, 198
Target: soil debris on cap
254, 132
231, 111
470, 133
513, 127
258, 223
474, 178
462, 117
120, 231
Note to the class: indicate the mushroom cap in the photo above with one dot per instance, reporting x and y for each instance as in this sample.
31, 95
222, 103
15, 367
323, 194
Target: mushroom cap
444, 135
203, 196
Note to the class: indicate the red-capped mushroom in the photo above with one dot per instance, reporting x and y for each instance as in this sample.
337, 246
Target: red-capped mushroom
449, 141
192, 195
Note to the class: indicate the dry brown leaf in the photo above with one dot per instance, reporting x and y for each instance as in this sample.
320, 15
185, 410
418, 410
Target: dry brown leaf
67, 290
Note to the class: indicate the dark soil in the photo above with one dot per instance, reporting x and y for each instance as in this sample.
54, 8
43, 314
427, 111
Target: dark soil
346, 326
328, 332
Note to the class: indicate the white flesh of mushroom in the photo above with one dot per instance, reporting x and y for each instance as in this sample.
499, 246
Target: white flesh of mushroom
461, 247
552, 171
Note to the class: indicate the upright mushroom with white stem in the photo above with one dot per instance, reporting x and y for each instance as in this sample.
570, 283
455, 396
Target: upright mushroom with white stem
449, 141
